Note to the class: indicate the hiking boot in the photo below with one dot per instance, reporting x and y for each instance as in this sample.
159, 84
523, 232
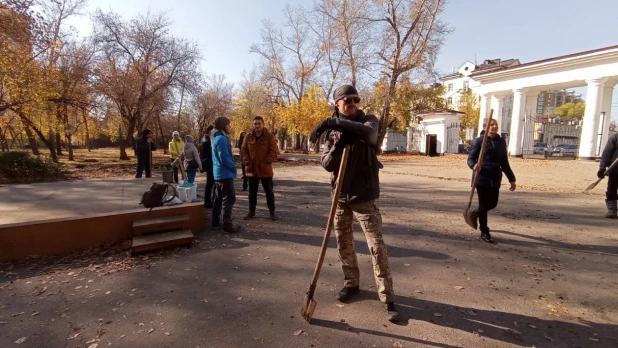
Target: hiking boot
250, 216
391, 312
273, 216
485, 236
216, 227
232, 229
346, 292
612, 209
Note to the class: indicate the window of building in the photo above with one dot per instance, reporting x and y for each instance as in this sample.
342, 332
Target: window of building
466, 85
449, 100
450, 87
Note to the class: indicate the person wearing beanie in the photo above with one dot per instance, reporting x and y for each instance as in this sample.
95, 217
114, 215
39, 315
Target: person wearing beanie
224, 169
206, 157
190, 158
360, 191
143, 148
175, 147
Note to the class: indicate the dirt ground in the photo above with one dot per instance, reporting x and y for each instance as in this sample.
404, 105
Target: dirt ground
548, 282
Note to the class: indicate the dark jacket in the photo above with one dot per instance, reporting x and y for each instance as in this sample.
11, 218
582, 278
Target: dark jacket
206, 154
495, 161
610, 153
258, 154
142, 148
361, 182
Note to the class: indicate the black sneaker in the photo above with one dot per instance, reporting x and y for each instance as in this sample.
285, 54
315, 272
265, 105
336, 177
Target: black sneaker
232, 229
486, 237
250, 216
392, 314
216, 227
273, 216
346, 292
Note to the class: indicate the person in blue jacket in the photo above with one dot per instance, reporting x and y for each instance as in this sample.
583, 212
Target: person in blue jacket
489, 169
224, 170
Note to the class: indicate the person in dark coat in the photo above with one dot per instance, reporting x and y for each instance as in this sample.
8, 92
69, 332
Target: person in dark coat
610, 153
144, 146
489, 169
245, 180
206, 157
360, 192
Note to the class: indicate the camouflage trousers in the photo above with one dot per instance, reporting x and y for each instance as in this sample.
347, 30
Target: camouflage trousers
368, 214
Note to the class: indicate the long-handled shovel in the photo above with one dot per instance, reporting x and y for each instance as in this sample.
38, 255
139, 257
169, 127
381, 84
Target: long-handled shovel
470, 215
309, 303
594, 184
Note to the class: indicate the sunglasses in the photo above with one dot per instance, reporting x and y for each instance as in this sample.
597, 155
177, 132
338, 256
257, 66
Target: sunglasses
349, 100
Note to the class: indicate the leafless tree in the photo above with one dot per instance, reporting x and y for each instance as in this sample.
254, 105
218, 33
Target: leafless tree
138, 59
215, 100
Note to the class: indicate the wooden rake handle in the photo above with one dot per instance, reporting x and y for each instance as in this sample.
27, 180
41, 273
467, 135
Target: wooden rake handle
481, 154
331, 219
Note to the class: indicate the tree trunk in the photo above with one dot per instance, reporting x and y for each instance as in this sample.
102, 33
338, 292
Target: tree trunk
297, 144
386, 111
87, 141
3, 144
58, 144
47, 143
165, 150
32, 141
70, 146
123, 151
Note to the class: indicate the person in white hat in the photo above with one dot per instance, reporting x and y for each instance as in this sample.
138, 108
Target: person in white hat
175, 148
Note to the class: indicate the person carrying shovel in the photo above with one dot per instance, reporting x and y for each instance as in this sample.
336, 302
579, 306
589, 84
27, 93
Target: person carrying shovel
489, 169
610, 154
360, 190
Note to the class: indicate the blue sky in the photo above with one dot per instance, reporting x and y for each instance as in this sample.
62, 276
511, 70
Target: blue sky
524, 29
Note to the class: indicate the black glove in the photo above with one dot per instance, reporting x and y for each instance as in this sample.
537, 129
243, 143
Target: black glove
347, 139
321, 128
601, 173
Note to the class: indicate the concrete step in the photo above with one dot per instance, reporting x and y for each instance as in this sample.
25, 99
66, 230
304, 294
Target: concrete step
163, 240
141, 227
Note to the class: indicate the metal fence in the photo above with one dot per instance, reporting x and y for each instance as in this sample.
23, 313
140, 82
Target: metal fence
550, 139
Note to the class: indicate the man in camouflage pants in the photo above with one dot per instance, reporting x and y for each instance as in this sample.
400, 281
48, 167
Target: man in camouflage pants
359, 192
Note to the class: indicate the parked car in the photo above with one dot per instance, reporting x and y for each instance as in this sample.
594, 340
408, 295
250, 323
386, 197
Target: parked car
542, 148
566, 150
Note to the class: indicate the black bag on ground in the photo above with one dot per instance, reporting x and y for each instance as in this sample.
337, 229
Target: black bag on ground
157, 195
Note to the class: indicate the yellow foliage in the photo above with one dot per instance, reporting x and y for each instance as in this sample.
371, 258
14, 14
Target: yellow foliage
301, 117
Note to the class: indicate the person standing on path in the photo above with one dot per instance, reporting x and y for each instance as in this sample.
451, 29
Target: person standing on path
489, 169
359, 192
243, 167
610, 153
259, 151
144, 147
191, 160
224, 174
175, 147
206, 157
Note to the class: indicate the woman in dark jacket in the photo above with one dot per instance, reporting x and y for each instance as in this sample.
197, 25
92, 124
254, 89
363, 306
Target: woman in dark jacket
207, 165
489, 171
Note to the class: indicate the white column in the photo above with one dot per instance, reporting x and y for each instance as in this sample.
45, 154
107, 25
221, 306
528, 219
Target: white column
496, 105
606, 107
517, 122
484, 111
590, 126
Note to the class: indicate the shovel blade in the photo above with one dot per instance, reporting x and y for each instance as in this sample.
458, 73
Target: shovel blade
471, 217
308, 308
593, 185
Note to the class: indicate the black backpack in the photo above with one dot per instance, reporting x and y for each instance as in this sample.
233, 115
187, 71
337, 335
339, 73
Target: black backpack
157, 195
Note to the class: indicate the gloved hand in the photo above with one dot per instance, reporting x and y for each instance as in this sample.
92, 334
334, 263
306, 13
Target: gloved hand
347, 139
321, 128
601, 173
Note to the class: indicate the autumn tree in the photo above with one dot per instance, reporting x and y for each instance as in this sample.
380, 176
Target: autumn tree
570, 111
412, 34
469, 104
215, 100
138, 59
